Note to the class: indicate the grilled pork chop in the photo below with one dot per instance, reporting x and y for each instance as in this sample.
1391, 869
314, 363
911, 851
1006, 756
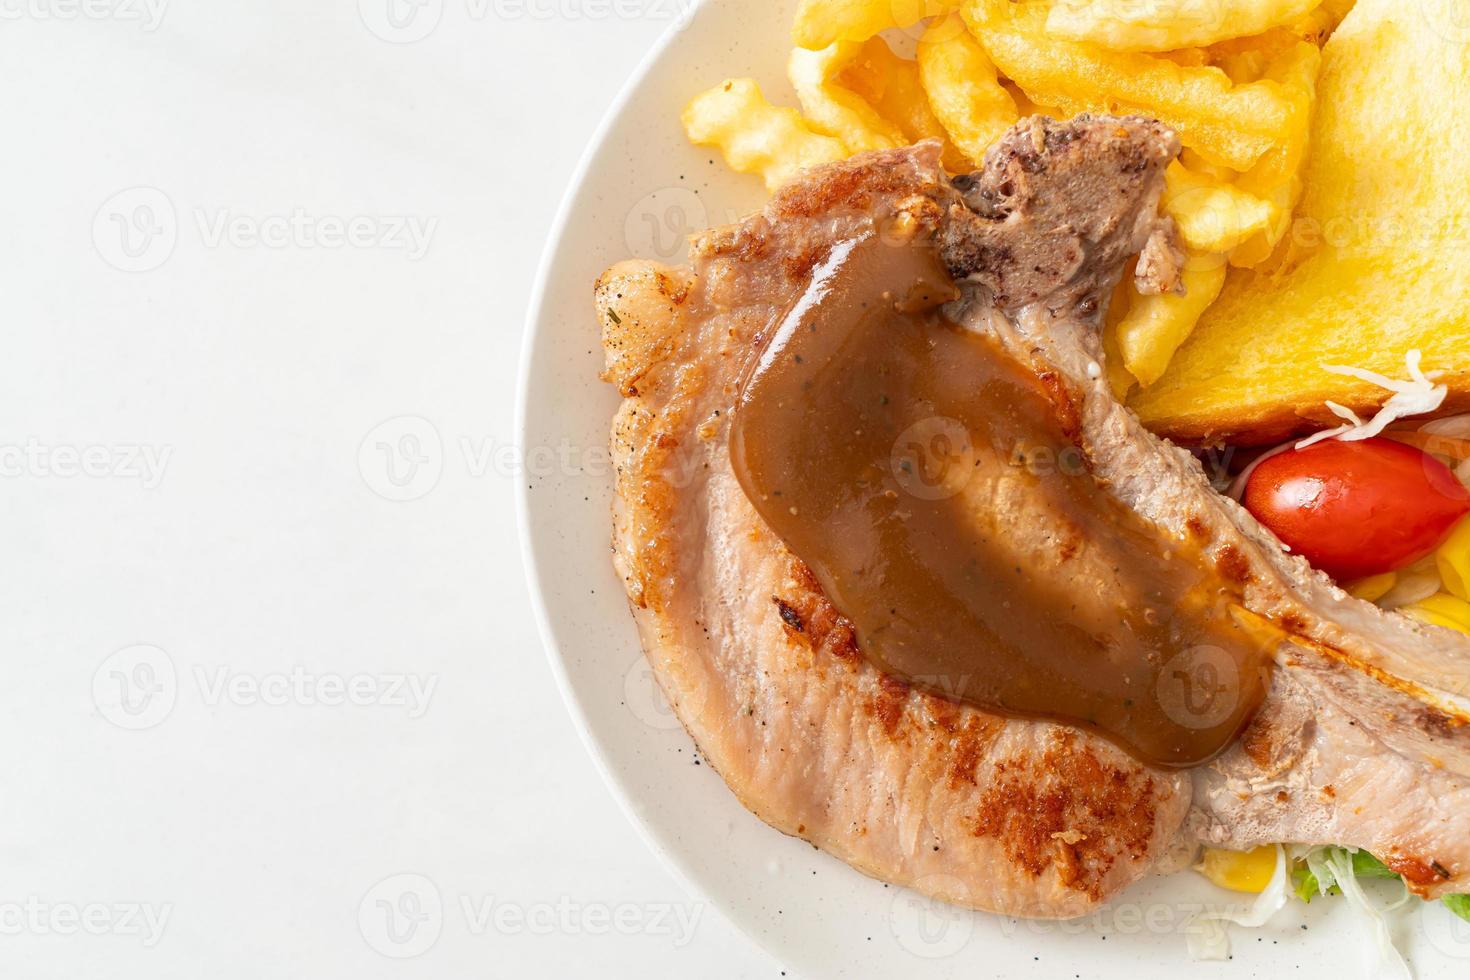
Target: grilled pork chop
1359, 739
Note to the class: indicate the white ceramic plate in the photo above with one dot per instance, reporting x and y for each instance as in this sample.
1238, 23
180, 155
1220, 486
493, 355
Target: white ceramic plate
640, 188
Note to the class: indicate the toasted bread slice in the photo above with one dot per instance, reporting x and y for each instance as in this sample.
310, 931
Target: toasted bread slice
1377, 262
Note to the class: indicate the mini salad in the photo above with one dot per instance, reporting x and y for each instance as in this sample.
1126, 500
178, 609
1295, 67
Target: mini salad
1382, 506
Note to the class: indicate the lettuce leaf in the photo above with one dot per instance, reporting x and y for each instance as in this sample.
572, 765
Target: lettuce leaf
1306, 884
1305, 881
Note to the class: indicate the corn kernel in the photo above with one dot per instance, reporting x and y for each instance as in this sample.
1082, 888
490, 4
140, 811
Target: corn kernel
1453, 560
1442, 609
1241, 871
1374, 587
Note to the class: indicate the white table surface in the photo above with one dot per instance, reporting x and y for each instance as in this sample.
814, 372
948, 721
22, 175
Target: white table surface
254, 255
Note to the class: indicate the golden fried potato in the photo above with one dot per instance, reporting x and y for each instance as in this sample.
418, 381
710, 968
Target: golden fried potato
963, 88
755, 136
1119, 379
1277, 178
1168, 25
823, 22
1246, 59
893, 86
1154, 326
1024, 104
1230, 125
1379, 259
1318, 25
833, 110
1212, 216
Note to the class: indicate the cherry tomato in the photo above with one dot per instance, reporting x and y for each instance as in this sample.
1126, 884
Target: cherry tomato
1355, 509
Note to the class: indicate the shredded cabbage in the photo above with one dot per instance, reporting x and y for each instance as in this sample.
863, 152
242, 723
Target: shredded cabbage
1319, 871
1416, 396
1390, 962
1309, 872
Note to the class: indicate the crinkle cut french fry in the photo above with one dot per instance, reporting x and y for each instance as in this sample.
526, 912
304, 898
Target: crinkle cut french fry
1168, 25
1155, 326
964, 89
1231, 125
893, 87
1212, 216
822, 22
1277, 178
833, 110
755, 136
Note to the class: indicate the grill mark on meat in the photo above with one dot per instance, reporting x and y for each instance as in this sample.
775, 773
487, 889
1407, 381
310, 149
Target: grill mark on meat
1433, 716
1070, 811
1257, 742
1293, 623
969, 746
825, 630
798, 266
789, 615
1060, 394
1232, 565
856, 187
890, 703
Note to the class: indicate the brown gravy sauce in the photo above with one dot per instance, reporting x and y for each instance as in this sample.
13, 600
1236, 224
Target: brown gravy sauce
924, 477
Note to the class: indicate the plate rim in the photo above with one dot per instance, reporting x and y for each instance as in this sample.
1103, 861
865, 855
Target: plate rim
621, 792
